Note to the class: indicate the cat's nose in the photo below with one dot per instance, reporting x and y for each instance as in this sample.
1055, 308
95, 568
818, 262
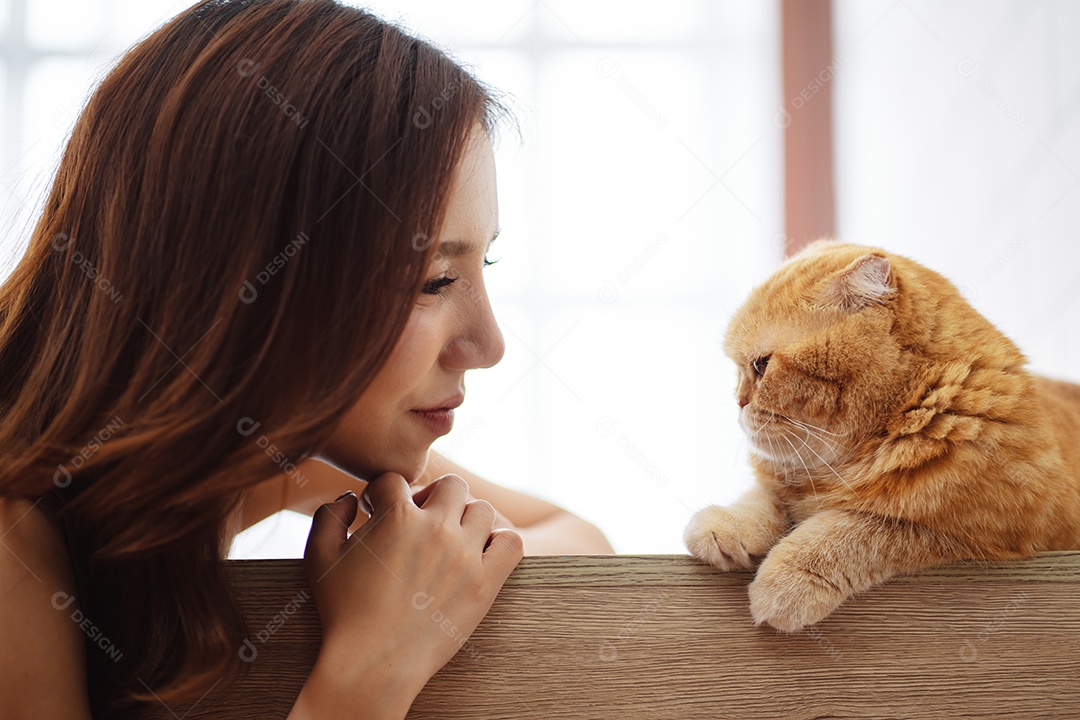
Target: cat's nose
743, 402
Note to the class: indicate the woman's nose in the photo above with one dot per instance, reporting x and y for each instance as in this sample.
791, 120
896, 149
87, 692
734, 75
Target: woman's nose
479, 343
492, 346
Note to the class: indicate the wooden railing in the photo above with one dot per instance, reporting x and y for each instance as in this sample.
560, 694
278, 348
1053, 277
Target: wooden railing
661, 636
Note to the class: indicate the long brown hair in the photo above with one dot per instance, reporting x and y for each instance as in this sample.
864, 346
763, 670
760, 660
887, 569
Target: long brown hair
234, 239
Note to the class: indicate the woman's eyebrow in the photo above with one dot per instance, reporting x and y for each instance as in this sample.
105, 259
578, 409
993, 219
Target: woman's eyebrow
459, 248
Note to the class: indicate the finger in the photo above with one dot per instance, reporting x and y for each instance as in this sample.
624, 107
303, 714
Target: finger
330, 526
363, 499
503, 552
447, 494
421, 495
501, 521
385, 491
479, 517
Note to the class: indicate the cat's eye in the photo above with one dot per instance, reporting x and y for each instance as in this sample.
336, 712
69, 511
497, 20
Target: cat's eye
760, 365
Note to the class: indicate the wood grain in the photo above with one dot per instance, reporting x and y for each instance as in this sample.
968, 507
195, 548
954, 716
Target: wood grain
661, 636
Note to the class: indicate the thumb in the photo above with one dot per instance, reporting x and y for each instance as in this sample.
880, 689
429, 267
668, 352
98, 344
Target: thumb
330, 526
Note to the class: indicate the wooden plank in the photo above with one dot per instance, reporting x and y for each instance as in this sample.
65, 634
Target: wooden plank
662, 636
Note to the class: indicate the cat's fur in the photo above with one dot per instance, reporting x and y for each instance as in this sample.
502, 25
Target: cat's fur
894, 428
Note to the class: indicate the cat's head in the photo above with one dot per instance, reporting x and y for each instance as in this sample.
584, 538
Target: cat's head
818, 347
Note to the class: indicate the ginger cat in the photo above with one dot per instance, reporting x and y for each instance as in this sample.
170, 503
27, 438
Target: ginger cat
892, 428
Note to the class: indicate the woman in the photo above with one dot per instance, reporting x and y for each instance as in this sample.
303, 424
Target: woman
257, 278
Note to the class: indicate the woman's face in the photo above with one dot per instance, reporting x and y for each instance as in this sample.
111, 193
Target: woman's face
451, 329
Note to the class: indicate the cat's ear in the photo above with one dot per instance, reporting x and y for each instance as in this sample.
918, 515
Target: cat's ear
864, 282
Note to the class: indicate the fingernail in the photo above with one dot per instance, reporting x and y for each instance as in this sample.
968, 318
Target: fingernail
344, 495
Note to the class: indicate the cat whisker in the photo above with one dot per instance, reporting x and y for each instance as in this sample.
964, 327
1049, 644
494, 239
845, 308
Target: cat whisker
751, 436
794, 449
767, 422
838, 476
821, 430
832, 445
772, 449
808, 426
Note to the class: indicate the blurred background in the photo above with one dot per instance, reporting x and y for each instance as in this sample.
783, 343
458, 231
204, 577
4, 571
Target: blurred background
672, 154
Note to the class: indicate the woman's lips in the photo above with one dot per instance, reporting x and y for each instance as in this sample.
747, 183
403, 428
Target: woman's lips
440, 421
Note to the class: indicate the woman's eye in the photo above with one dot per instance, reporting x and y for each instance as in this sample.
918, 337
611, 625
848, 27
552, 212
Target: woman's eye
760, 365
435, 286
489, 262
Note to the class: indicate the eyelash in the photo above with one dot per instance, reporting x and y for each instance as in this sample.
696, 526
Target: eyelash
435, 286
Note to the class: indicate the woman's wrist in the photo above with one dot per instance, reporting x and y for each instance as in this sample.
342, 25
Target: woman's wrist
333, 692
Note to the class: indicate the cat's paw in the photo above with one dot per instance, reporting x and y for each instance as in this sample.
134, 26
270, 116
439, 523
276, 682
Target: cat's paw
726, 539
790, 598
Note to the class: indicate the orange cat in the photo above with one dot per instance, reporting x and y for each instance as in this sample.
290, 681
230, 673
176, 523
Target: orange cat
892, 428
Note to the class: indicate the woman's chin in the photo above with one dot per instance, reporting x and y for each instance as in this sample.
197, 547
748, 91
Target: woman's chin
410, 466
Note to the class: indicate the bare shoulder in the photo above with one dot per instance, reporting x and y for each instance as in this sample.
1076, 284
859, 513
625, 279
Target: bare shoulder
42, 661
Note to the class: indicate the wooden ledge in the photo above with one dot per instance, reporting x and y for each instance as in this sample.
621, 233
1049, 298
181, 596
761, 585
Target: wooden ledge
662, 636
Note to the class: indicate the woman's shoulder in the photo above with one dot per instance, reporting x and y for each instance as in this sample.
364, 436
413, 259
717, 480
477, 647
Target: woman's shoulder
42, 659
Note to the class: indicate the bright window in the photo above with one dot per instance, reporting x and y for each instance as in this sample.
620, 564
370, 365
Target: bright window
645, 203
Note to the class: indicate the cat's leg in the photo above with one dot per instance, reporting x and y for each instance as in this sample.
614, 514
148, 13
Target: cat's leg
737, 536
833, 555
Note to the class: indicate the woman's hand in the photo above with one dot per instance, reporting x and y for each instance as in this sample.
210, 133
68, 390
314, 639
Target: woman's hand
420, 494
400, 596
545, 528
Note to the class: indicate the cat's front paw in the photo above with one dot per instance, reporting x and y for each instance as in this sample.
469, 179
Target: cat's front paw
726, 539
790, 598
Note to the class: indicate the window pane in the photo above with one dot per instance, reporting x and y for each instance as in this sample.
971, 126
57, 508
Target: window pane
66, 25
55, 92
459, 22
9, 204
132, 20
5, 110
5, 13
620, 20
509, 72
